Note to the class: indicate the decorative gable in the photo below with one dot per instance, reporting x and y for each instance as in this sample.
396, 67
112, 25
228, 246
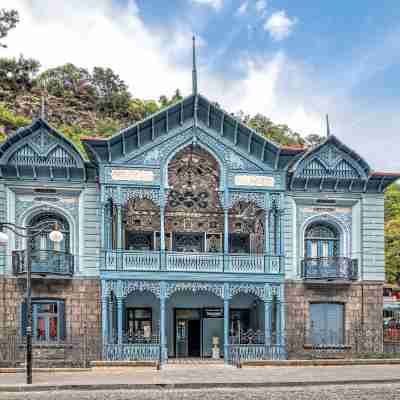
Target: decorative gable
38, 151
329, 166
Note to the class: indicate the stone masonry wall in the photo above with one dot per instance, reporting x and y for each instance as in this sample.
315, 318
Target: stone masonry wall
363, 325
82, 315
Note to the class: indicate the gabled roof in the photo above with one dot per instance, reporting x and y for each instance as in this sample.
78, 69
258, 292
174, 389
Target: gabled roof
39, 151
194, 110
347, 171
332, 139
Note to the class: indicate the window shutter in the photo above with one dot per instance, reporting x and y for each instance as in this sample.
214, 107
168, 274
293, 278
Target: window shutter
330, 249
309, 249
23, 319
319, 249
61, 319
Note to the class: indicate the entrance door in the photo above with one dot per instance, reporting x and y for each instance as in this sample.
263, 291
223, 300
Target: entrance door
194, 337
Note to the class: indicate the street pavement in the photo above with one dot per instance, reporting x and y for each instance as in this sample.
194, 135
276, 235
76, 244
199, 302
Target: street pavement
331, 392
200, 375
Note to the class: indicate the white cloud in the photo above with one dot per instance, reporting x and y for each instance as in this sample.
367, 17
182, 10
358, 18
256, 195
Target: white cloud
216, 4
261, 6
279, 25
97, 33
157, 61
243, 8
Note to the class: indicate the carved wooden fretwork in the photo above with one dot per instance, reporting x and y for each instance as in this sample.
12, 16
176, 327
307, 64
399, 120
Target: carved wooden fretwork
193, 202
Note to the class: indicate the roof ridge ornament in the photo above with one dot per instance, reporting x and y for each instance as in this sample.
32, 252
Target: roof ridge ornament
328, 129
194, 71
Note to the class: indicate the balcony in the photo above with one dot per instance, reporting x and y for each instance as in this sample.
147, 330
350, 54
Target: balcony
147, 261
44, 262
329, 269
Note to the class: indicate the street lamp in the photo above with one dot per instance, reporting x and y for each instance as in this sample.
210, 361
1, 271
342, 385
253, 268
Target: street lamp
29, 232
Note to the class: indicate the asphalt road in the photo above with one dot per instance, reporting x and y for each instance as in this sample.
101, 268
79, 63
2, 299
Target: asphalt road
334, 392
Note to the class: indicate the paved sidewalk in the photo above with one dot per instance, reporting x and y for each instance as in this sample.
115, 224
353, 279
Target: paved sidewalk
187, 376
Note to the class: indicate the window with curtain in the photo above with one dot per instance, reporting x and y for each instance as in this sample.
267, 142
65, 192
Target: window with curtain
321, 241
48, 319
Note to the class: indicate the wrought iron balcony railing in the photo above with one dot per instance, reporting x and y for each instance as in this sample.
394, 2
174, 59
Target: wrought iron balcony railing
329, 268
121, 260
43, 262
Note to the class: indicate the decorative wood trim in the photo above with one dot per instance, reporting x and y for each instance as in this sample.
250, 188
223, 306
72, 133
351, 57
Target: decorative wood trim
138, 135
152, 129
222, 124
123, 143
208, 115
236, 132
249, 142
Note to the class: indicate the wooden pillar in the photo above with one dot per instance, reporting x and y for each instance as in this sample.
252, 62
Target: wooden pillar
226, 330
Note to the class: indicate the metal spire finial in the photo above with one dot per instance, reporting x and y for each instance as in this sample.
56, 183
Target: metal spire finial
194, 71
43, 108
328, 129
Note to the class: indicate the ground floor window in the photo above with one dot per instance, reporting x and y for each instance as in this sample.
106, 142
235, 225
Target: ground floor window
139, 324
326, 324
48, 320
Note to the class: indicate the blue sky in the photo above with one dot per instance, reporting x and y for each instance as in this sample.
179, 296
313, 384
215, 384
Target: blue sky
293, 61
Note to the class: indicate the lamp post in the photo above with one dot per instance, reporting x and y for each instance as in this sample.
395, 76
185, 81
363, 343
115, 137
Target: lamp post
29, 232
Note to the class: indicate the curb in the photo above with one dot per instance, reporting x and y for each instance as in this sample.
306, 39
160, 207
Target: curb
46, 370
180, 386
321, 363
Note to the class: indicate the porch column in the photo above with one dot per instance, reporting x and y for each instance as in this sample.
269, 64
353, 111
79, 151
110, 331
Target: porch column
104, 319
120, 316
226, 329
111, 328
281, 311
163, 335
268, 322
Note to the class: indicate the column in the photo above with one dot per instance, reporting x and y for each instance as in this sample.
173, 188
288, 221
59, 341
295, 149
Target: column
120, 318
226, 330
268, 322
162, 236
111, 327
226, 238
104, 319
163, 335
119, 227
282, 316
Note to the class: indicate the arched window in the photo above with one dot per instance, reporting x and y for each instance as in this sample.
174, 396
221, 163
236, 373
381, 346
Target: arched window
321, 240
42, 243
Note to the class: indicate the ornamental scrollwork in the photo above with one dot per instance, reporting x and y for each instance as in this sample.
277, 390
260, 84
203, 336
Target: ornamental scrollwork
250, 197
140, 193
195, 287
255, 289
128, 287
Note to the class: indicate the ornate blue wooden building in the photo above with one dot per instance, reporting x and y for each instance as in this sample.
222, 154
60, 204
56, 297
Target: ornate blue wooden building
190, 235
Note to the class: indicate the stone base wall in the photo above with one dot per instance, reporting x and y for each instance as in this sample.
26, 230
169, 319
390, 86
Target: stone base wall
82, 317
363, 319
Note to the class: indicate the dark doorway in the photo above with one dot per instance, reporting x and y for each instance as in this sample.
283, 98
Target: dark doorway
194, 338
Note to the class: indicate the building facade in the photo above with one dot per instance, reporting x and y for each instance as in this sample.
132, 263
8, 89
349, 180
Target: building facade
190, 235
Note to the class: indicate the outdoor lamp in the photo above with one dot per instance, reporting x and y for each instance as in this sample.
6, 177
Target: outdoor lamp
3, 239
55, 235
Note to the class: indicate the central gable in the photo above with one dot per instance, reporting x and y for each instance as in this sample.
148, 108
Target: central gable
144, 142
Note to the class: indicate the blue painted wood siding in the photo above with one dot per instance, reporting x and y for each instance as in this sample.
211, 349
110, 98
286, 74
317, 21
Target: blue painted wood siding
372, 237
90, 262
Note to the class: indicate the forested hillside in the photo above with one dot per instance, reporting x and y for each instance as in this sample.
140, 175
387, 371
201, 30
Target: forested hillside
81, 102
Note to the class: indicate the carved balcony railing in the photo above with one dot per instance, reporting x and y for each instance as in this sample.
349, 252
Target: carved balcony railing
329, 268
44, 262
120, 260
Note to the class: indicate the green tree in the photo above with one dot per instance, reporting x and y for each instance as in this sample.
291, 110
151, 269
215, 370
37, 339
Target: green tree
112, 92
392, 232
18, 75
66, 79
8, 20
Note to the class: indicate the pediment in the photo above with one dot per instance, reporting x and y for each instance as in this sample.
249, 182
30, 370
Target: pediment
331, 159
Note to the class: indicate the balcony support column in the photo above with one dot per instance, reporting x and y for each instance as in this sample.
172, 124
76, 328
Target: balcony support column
226, 330
120, 316
163, 333
119, 227
268, 322
105, 319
